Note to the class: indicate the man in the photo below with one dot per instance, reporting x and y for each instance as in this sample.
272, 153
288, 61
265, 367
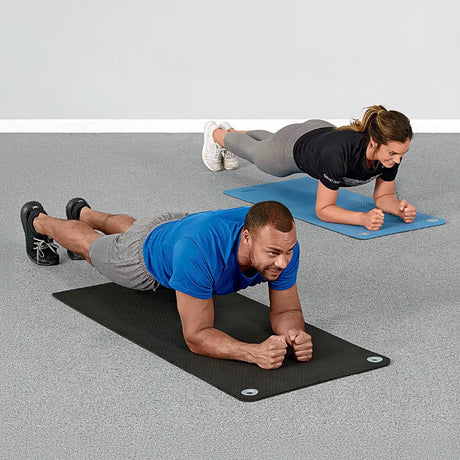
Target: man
198, 255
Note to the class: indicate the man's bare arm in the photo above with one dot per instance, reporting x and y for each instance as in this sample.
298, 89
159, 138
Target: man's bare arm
287, 319
197, 317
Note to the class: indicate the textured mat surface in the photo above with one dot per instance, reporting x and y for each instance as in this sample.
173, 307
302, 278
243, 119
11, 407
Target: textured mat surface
299, 195
150, 319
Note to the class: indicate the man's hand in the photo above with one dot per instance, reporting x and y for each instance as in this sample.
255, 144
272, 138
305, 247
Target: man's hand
373, 219
301, 343
406, 212
270, 353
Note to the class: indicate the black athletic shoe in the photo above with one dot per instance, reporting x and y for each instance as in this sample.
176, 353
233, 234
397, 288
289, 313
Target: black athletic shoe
74, 207
72, 211
41, 249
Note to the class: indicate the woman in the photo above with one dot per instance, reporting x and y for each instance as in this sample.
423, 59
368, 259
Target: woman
337, 157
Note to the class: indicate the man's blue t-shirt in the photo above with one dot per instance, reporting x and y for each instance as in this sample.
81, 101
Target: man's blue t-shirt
197, 255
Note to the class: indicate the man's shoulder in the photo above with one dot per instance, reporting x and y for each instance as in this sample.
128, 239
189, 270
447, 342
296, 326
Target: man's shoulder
213, 229
232, 214
219, 220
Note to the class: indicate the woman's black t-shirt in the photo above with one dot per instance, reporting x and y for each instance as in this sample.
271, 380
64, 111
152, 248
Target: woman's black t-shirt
338, 158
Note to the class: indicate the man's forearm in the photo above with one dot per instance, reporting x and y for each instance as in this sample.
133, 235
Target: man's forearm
217, 344
290, 319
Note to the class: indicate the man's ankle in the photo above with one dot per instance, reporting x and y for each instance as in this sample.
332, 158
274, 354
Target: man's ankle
37, 223
84, 212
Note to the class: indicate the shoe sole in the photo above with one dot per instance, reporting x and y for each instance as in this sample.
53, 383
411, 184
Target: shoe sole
75, 255
203, 151
24, 217
68, 212
226, 127
36, 262
25, 213
69, 206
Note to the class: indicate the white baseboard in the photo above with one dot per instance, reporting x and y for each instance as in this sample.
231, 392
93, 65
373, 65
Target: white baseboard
184, 125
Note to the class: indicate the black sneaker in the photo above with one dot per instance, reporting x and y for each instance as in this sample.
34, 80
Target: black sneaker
41, 249
74, 207
72, 211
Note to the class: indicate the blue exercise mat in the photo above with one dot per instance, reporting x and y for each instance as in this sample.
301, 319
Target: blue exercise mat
299, 195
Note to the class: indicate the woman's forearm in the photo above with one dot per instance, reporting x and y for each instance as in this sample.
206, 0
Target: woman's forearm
388, 203
336, 214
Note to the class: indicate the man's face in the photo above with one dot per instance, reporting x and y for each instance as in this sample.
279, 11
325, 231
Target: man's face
270, 251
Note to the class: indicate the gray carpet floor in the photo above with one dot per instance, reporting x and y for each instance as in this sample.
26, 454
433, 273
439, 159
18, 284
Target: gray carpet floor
71, 389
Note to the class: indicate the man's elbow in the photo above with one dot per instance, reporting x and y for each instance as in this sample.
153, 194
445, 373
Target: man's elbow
194, 343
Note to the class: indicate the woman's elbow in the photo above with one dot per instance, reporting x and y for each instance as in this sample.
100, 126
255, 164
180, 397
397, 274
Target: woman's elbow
320, 213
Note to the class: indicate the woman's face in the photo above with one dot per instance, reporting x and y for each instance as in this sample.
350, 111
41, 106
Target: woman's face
391, 153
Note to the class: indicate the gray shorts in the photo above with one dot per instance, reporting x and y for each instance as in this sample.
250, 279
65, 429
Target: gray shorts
119, 257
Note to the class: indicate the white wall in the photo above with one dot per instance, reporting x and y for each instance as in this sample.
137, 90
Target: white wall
146, 59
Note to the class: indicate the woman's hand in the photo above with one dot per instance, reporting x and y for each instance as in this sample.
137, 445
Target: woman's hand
373, 220
406, 212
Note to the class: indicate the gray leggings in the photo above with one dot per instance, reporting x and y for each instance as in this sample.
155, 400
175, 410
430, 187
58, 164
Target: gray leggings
272, 153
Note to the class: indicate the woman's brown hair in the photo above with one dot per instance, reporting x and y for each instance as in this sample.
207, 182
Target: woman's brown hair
382, 125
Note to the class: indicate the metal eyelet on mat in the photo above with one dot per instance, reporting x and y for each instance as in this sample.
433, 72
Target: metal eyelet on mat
375, 359
250, 392
432, 220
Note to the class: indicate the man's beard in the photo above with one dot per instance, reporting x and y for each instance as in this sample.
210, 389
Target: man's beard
264, 271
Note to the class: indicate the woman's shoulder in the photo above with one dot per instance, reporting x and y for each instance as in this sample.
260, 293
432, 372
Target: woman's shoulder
347, 134
348, 139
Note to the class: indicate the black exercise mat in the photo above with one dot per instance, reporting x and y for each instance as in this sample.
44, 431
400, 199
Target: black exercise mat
150, 319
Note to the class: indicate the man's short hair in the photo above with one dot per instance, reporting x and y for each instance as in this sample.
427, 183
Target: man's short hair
271, 213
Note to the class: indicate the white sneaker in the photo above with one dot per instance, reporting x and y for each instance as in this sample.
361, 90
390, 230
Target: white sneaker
212, 152
230, 159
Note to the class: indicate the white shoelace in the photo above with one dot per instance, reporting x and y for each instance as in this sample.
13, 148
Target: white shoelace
228, 155
40, 245
219, 152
